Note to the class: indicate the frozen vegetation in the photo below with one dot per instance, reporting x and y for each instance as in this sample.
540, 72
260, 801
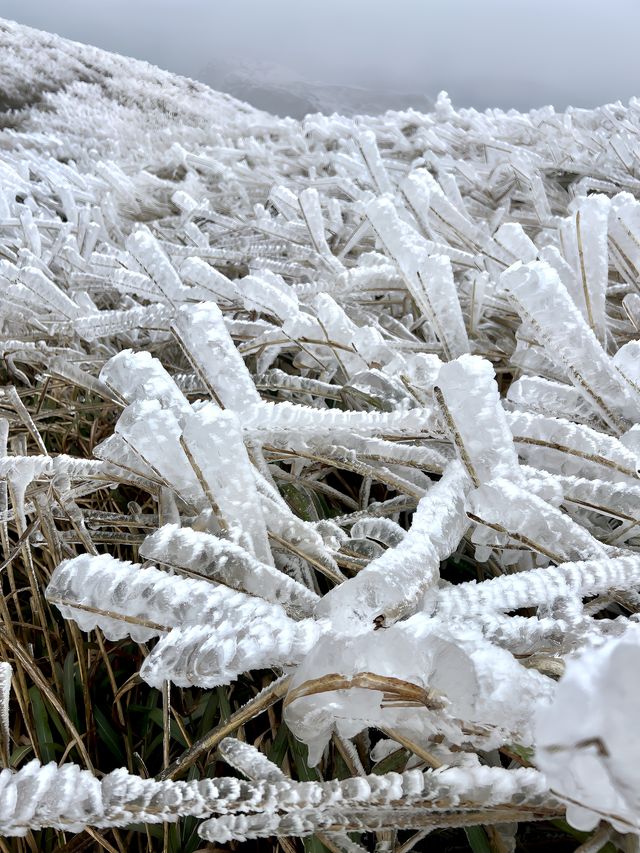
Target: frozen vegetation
373, 388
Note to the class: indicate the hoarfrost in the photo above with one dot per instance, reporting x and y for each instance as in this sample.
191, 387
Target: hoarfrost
377, 379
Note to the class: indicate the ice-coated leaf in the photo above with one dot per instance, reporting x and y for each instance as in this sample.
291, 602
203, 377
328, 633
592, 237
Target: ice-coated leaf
6, 673
436, 277
153, 261
268, 295
126, 600
627, 360
371, 154
516, 513
416, 677
71, 798
224, 561
207, 656
559, 445
379, 529
139, 376
207, 279
279, 418
154, 434
202, 332
617, 500
589, 759
428, 278
212, 440
435, 212
552, 399
517, 246
312, 212
536, 587
624, 235
116, 451
51, 295
249, 760
336, 326
392, 585
584, 244
473, 413
542, 300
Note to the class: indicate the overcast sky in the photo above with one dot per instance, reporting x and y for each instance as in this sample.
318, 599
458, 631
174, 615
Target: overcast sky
505, 53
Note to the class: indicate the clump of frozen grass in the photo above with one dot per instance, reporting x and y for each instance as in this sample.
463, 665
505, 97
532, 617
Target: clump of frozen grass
353, 401
591, 759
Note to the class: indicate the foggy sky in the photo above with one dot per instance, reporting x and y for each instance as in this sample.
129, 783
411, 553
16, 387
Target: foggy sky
503, 53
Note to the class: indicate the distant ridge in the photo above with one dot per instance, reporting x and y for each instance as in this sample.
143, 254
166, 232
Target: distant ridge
281, 91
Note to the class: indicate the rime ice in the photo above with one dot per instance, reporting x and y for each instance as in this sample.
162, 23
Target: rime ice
376, 379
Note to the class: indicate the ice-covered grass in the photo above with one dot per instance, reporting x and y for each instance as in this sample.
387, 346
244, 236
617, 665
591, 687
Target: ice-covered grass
319, 457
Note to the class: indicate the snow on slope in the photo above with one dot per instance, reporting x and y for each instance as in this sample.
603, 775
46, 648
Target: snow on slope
36, 63
443, 305
76, 92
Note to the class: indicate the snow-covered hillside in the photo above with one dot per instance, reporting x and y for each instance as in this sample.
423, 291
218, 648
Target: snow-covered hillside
369, 391
38, 65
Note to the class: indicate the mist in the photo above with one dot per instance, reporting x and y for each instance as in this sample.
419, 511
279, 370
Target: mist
293, 57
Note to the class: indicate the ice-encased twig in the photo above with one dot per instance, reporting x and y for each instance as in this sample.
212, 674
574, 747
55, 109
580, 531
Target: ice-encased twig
534, 587
542, 300
228, 563
473, 413
392, 585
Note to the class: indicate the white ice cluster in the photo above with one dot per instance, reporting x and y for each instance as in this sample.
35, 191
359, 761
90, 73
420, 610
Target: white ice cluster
591, 759
70, 798
441, 309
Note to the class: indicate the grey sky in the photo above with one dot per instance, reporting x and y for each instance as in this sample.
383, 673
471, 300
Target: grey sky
505, 53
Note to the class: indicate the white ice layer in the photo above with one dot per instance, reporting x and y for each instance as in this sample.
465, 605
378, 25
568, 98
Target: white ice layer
392, 585
588, 757
227, 563
212, 439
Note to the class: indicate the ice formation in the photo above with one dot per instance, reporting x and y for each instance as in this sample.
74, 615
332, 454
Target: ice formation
441, 311
590, 758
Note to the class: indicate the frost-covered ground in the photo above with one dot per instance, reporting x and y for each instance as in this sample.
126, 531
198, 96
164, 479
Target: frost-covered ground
353, 405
